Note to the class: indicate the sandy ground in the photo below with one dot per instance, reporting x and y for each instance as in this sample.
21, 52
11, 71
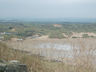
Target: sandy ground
80, 34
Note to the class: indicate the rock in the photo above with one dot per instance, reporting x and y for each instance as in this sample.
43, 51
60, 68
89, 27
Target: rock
12, 66
14, 61
2, 61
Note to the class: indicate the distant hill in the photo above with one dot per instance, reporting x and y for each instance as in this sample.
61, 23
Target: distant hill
86, 20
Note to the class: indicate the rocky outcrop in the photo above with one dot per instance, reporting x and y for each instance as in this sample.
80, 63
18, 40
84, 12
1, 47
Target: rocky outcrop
12, 66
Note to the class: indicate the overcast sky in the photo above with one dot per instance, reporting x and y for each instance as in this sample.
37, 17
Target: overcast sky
47, 8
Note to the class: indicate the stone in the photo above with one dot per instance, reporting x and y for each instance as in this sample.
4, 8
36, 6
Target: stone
12, 66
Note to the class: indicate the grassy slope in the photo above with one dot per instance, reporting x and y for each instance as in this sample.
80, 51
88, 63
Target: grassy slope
33, 62
36, 63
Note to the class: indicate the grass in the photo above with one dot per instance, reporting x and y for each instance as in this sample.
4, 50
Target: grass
36, 63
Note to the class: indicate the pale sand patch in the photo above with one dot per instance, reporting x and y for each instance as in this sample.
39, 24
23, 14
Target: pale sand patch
44, 37
80, 35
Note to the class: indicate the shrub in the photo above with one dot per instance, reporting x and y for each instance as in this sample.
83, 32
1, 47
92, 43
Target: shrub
85, 36
74, 37
56, 35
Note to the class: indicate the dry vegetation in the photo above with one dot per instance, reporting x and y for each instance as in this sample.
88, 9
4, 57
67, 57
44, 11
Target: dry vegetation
83, 58
34, 62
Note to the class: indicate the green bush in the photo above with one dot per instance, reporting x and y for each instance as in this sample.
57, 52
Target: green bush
56, 35
69, 34
74, 37
85, 36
